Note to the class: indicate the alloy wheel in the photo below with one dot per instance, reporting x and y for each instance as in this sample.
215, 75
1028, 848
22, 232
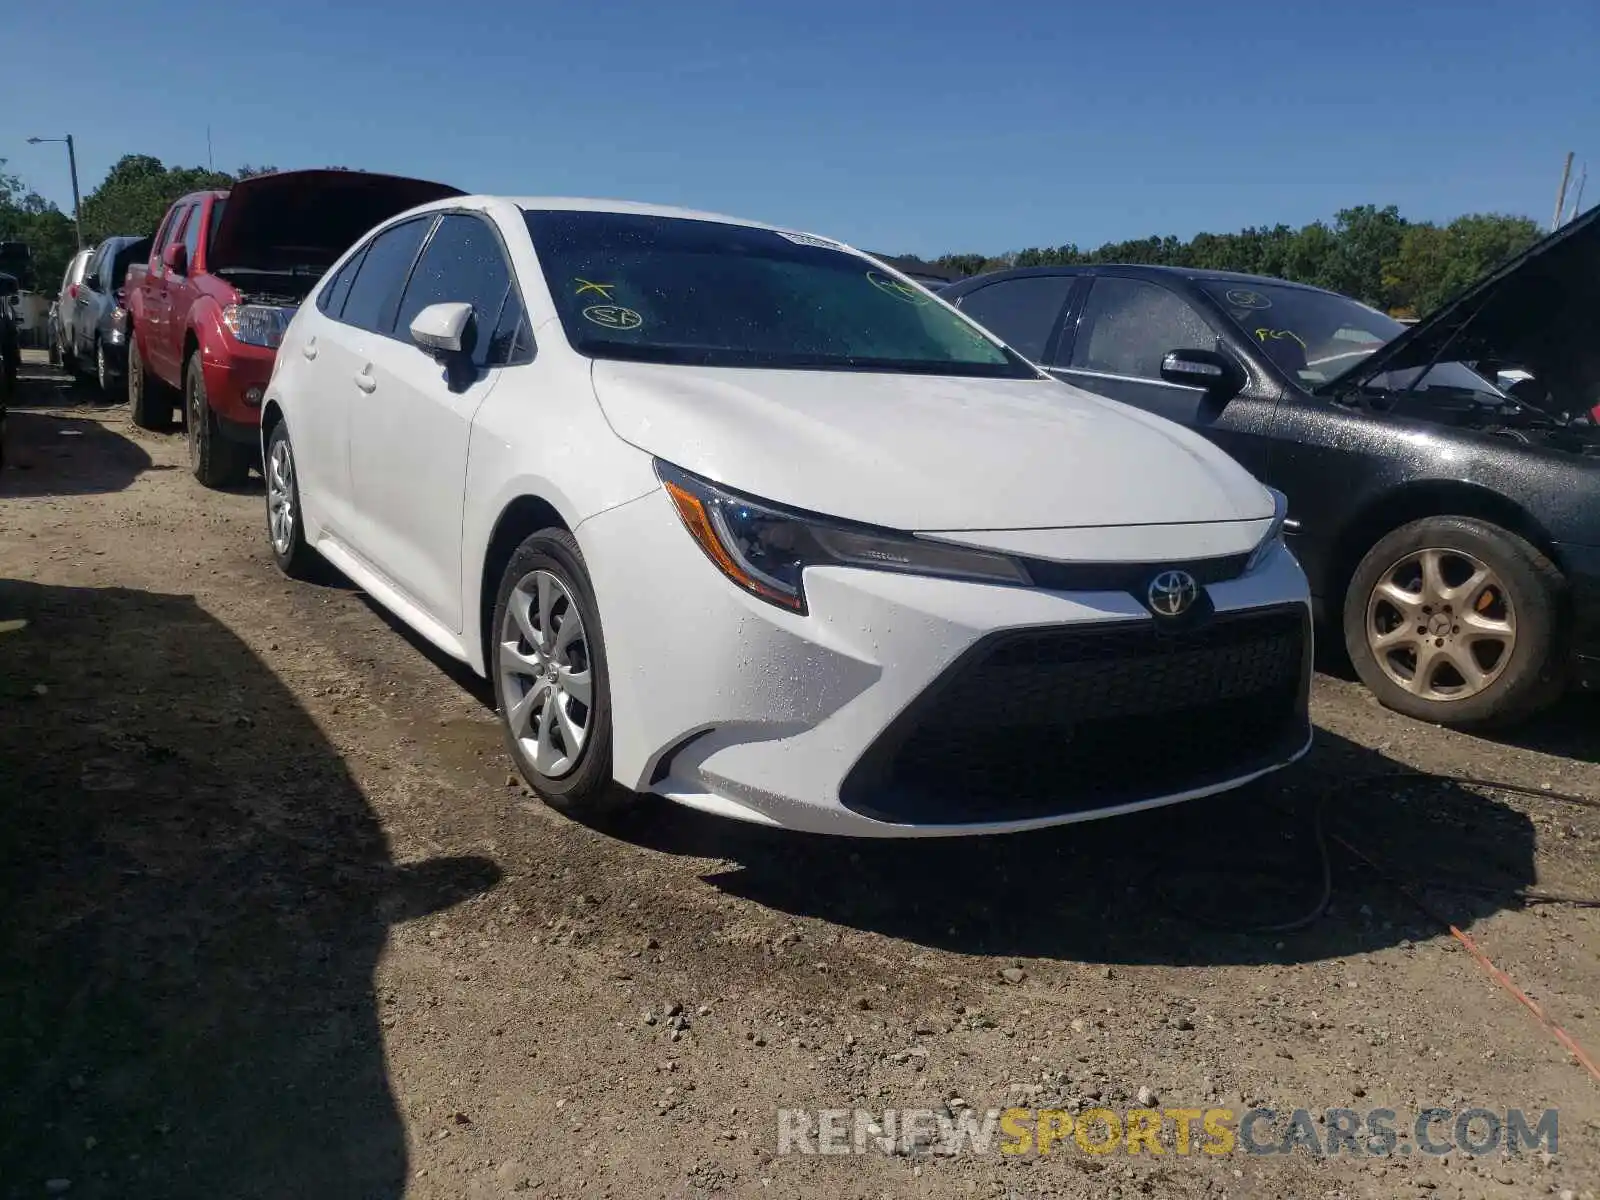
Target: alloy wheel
101, 375
194, 415
280, 496
1441, 625
546, 673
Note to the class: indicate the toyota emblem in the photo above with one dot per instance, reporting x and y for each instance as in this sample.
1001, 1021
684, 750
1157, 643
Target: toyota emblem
1171, 593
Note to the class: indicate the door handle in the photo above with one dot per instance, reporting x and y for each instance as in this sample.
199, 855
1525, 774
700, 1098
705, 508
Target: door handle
366, 382
310, 348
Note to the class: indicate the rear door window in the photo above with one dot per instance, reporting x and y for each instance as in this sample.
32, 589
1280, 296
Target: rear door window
379, 280
330, 300
1023, 312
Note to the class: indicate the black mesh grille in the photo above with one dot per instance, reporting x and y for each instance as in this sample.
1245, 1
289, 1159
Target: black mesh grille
1067, 720
1133, 578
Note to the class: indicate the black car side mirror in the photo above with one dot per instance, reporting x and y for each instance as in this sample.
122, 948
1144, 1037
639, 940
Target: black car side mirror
1214, 373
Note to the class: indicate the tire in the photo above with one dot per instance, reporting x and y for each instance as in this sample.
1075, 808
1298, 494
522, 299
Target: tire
294, 556
102, 369
77, 368
149, 400
1493, 607
215, 461
578, 784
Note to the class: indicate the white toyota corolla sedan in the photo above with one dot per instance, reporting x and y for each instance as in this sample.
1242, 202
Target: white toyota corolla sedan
742, 517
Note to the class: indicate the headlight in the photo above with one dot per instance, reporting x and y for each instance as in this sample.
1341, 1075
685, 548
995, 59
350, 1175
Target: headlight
1274, 534
257, 324
765, 549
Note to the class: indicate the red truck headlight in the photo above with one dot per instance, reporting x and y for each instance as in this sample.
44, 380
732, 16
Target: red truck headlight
257, 324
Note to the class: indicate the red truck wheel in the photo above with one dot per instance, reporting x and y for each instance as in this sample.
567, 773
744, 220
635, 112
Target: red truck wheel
149, 400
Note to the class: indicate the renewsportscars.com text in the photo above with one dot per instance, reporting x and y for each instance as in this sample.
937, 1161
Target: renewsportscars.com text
1329, 1132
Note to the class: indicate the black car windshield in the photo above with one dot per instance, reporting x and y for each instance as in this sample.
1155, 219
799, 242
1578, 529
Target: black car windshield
1316, 336
708, 293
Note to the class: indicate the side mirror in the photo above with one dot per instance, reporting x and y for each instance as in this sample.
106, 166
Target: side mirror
176, 259
441, 329
1218, 375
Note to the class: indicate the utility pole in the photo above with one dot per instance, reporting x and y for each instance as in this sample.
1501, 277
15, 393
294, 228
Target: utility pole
1561, 195
1577, 199
72, 163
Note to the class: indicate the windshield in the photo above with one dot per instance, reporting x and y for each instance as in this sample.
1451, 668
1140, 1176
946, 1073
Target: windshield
1316, 336
706, 293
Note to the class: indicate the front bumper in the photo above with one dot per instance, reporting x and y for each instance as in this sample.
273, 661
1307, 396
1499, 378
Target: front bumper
1581, 566
114, 345
725, 703
236, 381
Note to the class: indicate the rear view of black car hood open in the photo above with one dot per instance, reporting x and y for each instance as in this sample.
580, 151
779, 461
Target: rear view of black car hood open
292, 219
1540, 311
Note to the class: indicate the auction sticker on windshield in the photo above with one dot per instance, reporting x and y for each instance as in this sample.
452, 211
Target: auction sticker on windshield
613, 316
1245, 298
909, 292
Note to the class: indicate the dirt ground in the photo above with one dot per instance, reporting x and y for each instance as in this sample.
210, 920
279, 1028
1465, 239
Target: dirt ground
278, 923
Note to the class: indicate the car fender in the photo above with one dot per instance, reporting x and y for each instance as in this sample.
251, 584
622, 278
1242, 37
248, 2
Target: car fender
1385, 509
133, 301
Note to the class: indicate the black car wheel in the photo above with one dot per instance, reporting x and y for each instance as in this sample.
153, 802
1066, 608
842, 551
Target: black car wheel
548, 664
149, 400
215, 461
1456, 621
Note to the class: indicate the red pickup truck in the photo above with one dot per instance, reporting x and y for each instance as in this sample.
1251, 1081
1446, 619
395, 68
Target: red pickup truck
226, 272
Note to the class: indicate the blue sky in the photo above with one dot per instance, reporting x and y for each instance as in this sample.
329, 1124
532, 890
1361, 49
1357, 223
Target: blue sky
901, 125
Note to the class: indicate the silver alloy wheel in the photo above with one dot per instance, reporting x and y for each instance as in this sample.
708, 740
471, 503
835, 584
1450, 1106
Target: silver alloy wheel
1441, 625
101, 375
280, 496
546, 673
194, 416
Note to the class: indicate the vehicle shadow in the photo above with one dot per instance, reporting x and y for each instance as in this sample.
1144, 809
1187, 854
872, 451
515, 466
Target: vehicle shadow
1190, 884
51, 455
1567, 729
196, 894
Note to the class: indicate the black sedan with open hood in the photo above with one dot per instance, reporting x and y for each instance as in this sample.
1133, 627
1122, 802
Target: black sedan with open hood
1450, 530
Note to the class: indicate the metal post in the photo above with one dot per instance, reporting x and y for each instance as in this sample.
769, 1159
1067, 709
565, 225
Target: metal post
77, 205
1561, 196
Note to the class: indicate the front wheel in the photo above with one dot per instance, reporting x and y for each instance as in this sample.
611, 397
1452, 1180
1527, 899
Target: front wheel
102, 369
1456, 621
548, 662
215, 461
285, 529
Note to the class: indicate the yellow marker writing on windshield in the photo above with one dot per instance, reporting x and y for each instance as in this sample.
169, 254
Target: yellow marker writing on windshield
585, 285
1263, 334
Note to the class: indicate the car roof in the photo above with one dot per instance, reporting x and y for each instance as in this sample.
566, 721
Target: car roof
1134, 270
628, 207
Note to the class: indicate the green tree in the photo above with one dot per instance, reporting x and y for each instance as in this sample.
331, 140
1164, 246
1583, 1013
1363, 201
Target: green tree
30, 218
1365, 238
1432, 264
137, 192
1371, 253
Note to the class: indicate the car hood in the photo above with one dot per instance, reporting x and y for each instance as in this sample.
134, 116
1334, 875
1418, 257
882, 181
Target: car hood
927, 453
294, 219
1540, 310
